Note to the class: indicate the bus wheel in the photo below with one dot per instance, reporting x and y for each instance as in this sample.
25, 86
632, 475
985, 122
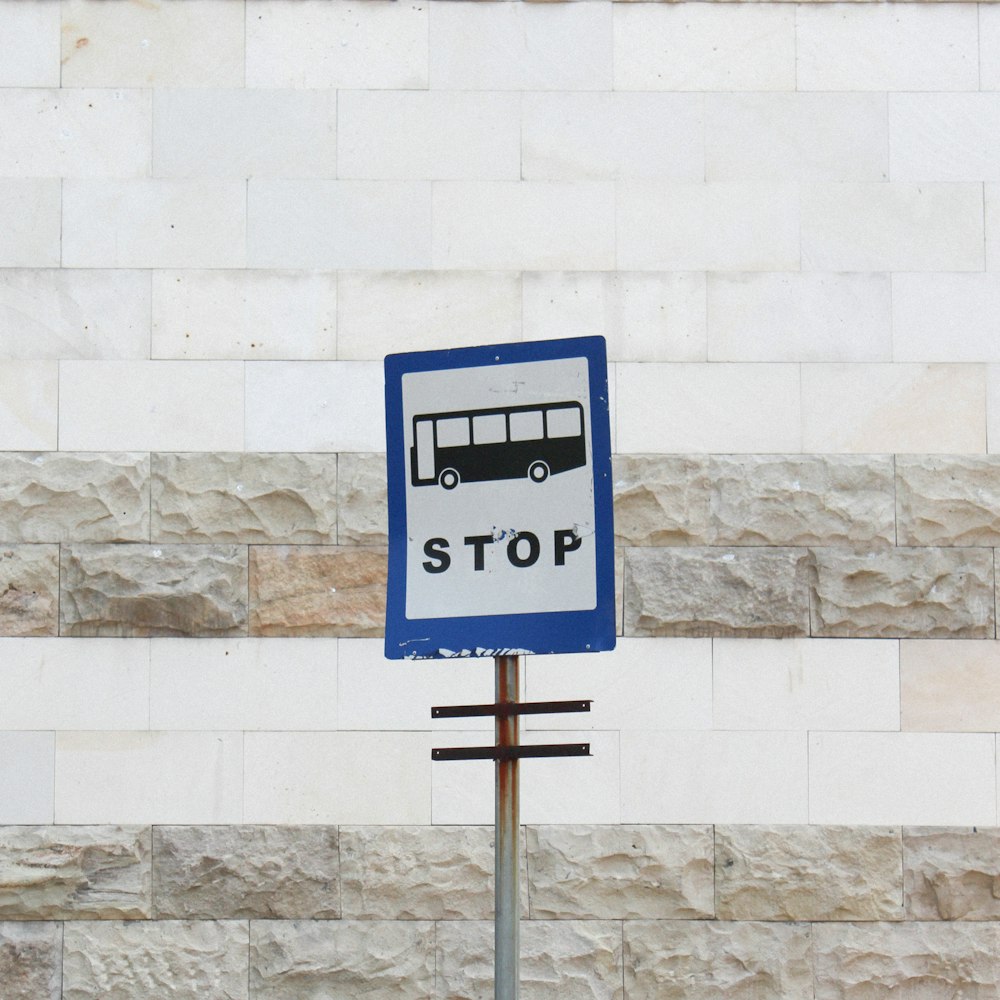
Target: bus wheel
449, 479
538, 472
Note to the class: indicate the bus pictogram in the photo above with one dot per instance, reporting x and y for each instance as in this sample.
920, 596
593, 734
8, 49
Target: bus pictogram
532, 441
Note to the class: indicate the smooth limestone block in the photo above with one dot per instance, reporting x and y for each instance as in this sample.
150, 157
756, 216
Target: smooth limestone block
244, 497
26, 776
381, 312
29, 221
903, 593
256, 872
29, 590
761, 592
144, 590
948, 500
269, 315
878, 960
621, 872
185, 960
75, 873
989, 48
29, 405
53, 315
568, 960
698, 960
951, 873
317, 590
31, 961
808, 873
198, 43
59, 497
662, 500
31, 45
362, 499
935, 679
293, 960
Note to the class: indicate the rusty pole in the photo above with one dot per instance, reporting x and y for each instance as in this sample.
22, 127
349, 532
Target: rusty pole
506, 928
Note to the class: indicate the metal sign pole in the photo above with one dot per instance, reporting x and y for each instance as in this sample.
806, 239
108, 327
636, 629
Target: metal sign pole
506, 929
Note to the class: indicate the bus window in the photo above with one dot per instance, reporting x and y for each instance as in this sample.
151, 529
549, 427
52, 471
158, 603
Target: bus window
564, 422
453, 432
489, 428
425, 449
526, 426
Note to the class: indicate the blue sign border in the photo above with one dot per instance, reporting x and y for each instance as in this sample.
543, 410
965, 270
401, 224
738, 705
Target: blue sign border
493, 635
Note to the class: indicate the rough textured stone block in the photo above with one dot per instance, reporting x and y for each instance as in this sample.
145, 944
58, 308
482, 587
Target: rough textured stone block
302, 960
228, 872
568, 960
948, 500
362, 500
145, 590
951, 874
242, 497
717, 592
317, 590
904, 593
808, 873
420, 872
53, 497
29, 590
30, 961
801, 500
662, 500
911, 961
697, 960
621, 872
139, 960
73, 872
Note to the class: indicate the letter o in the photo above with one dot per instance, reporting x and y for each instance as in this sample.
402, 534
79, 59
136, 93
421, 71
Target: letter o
533, 549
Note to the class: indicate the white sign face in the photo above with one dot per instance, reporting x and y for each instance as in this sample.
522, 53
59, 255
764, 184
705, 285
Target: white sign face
499, 490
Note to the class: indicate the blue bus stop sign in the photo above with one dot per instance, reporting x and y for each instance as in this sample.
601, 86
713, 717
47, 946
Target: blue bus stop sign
500, 507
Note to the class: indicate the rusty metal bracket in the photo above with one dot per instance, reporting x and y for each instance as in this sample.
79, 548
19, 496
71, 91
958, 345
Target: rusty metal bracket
510, 708
512, 753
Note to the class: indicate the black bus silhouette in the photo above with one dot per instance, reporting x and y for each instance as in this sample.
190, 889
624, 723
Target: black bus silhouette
502, 442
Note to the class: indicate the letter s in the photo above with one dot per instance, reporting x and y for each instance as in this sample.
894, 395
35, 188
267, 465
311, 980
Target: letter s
434, 549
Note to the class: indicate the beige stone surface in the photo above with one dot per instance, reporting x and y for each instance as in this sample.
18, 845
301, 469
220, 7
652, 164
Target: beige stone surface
948, 500
29, 590
808, 873
909, 961
801, 500
951, 873
74, 872
935, 679
621, 872
906, 593
662, 500
759, 592
229, 872
317, 590
567, 959
244, 497
419, 872
151, 590
301, 960
61, 497
362, 500
30, 961
699, 960
140, 960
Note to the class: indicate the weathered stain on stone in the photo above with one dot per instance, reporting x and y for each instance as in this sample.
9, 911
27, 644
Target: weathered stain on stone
951, 873
149, 590
296, 960
244, 497
30, 961
716, 592
948, 500
74, 872
362, 500
662, 500
808, 873
66, 497
706, 960
560, 960
143, 959
621, 872
317, 590
903, 593
29, 590
229, 872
